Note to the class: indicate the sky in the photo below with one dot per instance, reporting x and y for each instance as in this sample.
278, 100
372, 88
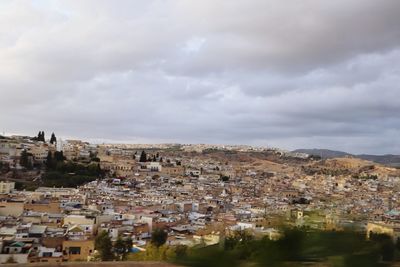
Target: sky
288, 74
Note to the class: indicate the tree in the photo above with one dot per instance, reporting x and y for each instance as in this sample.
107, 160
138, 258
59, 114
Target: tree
40, 136
59, 156
225, 178
143, 157
104, 246
53, 139
49, 160
128, 243
24, 160
122, 247
159, 237
154, 158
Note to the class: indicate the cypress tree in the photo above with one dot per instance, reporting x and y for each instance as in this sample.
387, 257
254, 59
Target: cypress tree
41, 136
53, 139
49, 160
143, 157
104, 246
24, 160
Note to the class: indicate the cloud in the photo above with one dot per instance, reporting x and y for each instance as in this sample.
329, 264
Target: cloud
309, 74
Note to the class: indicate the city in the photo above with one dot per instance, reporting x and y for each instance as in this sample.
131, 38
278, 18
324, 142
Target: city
58, 196
199, 133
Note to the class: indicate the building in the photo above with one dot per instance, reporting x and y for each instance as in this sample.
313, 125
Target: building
78, 250
6, 187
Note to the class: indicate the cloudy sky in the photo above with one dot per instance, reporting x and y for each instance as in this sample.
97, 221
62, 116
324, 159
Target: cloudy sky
289, 74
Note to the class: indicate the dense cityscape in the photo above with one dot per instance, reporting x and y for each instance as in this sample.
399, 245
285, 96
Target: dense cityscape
166, 133
58, 197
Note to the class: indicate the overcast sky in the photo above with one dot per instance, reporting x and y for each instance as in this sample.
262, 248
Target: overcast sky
289, 74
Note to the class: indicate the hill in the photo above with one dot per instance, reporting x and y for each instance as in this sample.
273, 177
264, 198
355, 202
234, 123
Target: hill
323, 153
389, 160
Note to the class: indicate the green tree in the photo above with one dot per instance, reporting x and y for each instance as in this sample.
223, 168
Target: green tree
53, 139
159, 237
128, 243
24, 160
41, 137
120, 248
143, 157
49, 160
225, 178
104, 246
59, 156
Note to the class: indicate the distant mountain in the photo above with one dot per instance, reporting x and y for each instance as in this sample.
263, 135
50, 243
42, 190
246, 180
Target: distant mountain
390, 160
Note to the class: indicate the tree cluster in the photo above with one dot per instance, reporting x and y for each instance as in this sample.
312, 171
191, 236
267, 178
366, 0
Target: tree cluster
149, 158
109, 251
296, 247
25, 160
53, 159
158, 237
69, 174
41, 137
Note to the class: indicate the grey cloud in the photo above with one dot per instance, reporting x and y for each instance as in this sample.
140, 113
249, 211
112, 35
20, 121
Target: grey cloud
309, 74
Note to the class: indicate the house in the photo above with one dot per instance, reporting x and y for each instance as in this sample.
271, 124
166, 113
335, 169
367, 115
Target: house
11, 208
15, 251
76, 232
45, 254
154, 166
49, 206
77, 250
6, 187
37, 231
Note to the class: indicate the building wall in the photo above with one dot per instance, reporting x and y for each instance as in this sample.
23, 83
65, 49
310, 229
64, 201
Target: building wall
6, 187
178, 170
86, 249
97, 264
52, 207
11, 208
19, 258
72, 219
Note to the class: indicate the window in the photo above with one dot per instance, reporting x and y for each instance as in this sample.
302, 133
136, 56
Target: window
47, 254
75, 250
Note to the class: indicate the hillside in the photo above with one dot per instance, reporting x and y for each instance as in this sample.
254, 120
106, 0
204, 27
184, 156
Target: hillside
390, 160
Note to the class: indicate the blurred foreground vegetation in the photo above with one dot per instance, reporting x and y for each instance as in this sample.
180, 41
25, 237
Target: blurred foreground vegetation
295, 248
